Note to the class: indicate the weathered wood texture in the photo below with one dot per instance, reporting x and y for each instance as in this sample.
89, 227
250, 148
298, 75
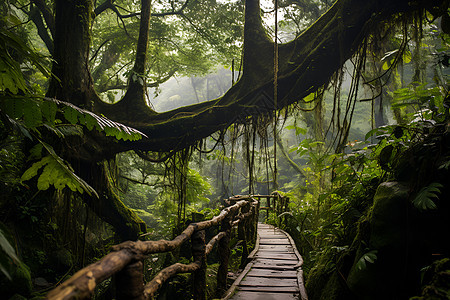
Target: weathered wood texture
275, 271
276, 257
126, 259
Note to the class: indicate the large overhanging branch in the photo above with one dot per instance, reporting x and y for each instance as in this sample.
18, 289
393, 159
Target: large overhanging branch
305, 65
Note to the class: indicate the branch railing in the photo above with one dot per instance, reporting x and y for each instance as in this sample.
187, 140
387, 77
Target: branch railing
125, 262
278, 205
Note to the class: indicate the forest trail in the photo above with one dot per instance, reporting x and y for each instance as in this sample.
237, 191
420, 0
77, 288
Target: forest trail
274, 272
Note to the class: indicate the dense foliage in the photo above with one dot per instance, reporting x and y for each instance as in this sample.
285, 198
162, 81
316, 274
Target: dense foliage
77, 177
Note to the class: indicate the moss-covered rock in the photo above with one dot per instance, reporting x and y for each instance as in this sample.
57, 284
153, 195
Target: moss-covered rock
327, 279
438, 283
389, 238
61, 260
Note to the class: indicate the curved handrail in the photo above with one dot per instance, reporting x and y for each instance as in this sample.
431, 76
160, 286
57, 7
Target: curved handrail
126, 258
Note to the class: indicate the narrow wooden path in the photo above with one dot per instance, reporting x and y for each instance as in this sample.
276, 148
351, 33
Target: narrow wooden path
274, 272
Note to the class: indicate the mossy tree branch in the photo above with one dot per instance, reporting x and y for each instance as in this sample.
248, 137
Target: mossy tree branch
306, 64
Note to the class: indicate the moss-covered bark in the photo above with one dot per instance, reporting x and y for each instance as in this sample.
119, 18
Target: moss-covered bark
109, 206
72, 81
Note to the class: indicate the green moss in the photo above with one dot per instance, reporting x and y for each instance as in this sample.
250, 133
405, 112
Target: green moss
438, 283
145, 216
389, 213
325, 280
318, 275
387, 228
20, 284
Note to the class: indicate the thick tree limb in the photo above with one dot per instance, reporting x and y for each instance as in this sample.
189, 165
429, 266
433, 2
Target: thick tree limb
305, 65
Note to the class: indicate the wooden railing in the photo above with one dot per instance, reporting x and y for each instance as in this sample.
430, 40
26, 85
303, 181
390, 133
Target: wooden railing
277, 204
126, 260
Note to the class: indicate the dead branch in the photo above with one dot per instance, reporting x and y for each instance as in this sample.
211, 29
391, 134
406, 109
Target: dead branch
152, 287
213, 241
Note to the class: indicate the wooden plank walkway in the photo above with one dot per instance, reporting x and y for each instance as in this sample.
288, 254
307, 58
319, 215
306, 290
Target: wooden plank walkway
274, 272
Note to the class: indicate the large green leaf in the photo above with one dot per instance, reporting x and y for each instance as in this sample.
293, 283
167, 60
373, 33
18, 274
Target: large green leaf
75, 115
423, 200
369, 257
56, 172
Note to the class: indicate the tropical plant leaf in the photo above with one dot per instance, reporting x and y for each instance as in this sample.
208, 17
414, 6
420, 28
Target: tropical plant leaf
407, 56
33, 170
6, 246
9, 251
56, 172
445, 164
68, 171
49, 109
389, 53
32, 116
11, 40
75, 115
298, 130
369, 257
423, 200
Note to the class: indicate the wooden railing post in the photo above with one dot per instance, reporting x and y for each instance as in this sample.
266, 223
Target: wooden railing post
198, 253
277, 203
242, 235
130, 282
224, 255
286, 209
125, 262
255, 220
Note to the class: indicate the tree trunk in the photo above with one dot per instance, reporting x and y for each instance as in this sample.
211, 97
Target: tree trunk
73, 83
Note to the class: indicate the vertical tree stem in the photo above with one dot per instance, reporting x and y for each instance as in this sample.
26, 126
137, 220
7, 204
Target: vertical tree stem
198, 253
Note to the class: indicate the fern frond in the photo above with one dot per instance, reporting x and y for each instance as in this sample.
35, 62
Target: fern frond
75, 115
56, 172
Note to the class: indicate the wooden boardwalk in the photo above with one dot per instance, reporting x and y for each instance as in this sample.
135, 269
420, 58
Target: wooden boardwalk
274, 272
